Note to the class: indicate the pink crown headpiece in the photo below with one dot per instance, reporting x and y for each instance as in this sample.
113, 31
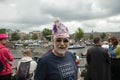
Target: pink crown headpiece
60, 29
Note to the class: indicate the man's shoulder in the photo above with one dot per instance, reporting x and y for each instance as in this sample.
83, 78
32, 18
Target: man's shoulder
91, 48
46, 56
69, 53
4, 49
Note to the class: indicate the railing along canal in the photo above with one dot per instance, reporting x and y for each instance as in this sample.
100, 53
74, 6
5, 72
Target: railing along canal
36, 59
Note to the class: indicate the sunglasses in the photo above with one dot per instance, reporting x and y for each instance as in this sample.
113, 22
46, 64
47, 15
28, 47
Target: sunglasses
65, 40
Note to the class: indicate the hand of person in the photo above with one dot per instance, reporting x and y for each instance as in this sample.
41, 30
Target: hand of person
13, 74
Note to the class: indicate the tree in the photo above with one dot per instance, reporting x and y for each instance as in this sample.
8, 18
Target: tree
34, 36
47, 33
15, 36
103, 35
79, 34
26, 37
2, 30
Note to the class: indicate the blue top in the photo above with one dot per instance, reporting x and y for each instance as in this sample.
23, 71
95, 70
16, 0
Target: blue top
111, 51
51, 67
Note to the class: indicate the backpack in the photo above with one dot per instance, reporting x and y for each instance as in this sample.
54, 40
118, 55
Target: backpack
23, 71
1, 66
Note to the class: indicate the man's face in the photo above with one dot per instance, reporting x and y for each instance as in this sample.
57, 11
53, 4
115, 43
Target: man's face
61, 45
4, 41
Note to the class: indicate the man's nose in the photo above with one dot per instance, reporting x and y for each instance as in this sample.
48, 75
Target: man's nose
62, 42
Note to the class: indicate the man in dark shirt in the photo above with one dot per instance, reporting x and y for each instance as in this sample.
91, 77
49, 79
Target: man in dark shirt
98, 62
58, 63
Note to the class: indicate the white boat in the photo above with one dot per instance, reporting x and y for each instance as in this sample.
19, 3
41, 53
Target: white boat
105, 44
76, 47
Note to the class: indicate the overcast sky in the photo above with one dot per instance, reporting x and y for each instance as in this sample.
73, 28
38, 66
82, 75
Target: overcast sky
29, 15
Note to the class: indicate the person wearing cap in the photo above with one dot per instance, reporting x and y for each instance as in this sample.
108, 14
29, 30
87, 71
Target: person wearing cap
59, 63
98, 61
6, 57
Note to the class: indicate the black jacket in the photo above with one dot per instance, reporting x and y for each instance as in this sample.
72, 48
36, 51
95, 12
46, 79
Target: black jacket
98, 64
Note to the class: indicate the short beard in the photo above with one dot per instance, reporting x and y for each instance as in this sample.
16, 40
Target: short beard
59, 52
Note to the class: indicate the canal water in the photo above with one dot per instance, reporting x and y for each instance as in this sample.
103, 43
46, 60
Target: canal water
38, 51
17, 53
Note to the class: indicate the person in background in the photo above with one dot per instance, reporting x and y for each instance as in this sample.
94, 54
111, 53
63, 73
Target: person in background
117, 51
59, 63
6, 57
113, 42
98, 61
115, 58
26, 58
77, 61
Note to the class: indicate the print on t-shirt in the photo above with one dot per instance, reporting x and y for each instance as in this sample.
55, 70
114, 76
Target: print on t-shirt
66, 70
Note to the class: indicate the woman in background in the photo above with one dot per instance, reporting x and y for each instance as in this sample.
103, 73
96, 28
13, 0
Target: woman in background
26, 58
115, 58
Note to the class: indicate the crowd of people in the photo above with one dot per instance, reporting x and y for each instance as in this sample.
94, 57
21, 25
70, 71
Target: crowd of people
56, 64
59, 63
104, 64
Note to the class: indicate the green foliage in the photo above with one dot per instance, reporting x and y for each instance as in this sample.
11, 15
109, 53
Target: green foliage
47, 33
15, 36
2, 30
26, 37
34, 36
103, 35
79, 34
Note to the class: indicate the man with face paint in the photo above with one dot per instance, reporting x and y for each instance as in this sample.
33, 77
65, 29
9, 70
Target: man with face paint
58, 63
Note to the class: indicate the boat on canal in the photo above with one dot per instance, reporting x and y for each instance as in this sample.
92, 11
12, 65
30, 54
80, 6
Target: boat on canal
76, 47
